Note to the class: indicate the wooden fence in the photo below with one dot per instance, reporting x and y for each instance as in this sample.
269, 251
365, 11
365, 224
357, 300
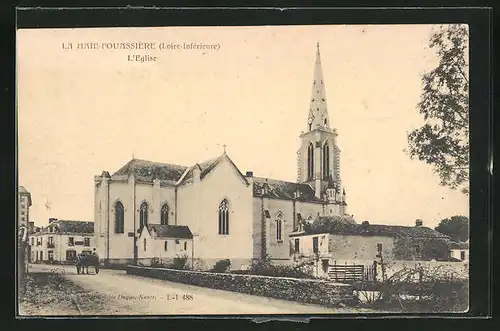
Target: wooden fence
347, 273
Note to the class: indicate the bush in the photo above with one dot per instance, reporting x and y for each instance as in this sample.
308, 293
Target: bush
179, 263
265, 267
222, 266
156, 263
424, 289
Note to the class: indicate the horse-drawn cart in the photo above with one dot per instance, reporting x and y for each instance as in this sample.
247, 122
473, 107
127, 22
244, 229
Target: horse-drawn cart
83, 261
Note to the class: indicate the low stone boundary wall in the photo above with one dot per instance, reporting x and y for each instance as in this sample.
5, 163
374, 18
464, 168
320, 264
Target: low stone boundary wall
294, 289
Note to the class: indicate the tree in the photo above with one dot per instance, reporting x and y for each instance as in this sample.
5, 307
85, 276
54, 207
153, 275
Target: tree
443, 140
457, 227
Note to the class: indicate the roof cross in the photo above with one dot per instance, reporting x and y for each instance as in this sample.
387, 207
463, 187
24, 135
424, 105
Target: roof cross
224, 146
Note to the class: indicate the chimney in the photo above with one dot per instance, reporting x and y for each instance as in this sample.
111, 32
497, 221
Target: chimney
418, 223
52, 219
249, 174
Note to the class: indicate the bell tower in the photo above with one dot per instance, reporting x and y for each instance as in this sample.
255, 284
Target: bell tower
319, 156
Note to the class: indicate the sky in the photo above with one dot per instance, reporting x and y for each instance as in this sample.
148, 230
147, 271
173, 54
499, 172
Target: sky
82, 111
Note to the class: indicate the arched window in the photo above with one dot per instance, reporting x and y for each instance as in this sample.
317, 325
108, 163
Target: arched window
164, 215
310, 162
119, 218
166, 245
326, 161
145, 242
224, 217
143, 216
279, 227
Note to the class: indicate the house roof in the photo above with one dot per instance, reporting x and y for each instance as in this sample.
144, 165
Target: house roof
68, 226
364, 229
148, 170
24, 191
171, 231
279, 189
459, 245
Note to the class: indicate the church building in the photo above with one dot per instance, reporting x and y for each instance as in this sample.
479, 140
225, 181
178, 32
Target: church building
212, 210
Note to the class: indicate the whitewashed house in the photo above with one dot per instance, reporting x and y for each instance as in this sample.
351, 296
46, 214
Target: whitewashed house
61, 241
164, 242
460, 251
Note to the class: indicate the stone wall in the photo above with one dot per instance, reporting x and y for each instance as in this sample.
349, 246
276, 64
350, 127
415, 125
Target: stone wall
294, 289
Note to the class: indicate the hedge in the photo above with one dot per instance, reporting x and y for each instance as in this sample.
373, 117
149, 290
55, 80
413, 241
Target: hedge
302, 290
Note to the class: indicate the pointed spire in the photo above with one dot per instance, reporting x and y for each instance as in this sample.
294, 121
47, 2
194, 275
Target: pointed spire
318, 112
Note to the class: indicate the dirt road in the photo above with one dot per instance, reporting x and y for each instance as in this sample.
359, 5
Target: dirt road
133, 295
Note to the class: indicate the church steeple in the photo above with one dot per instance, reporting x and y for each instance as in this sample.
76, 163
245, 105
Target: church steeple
318, 110
318, 158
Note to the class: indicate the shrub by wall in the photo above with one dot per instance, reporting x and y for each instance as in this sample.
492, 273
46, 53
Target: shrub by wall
301, 290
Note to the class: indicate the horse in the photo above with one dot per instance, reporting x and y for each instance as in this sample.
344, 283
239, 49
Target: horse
83, 261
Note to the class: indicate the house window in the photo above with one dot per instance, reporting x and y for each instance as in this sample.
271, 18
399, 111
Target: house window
224, 217
70, 255
164, 215
32, 241
145, 244
86, 241
279, 226
51, 256
143, 214
119, 218
297, 247
50, 243
185, 245
462, 255
166, 245
71, 241
310, 161
315, 245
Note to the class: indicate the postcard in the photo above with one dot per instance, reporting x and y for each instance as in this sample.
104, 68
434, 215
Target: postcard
271, 170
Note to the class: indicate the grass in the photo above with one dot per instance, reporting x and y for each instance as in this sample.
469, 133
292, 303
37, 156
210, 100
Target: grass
50, 294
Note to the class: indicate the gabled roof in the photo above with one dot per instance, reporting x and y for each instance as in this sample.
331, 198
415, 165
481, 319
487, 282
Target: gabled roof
68, 227
148, 170
279, 189
364, 229
207, 166
24, 191
171, 231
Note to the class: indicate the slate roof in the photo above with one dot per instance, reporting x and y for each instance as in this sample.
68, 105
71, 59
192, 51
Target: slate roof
148, 170
279, 189
205, 168
171, 231
371, 230
459, 245
24, 191
68, 226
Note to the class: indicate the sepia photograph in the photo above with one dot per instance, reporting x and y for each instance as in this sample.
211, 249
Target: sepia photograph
243, 170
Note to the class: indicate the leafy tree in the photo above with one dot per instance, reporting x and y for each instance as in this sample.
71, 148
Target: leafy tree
443, 140
457, 227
